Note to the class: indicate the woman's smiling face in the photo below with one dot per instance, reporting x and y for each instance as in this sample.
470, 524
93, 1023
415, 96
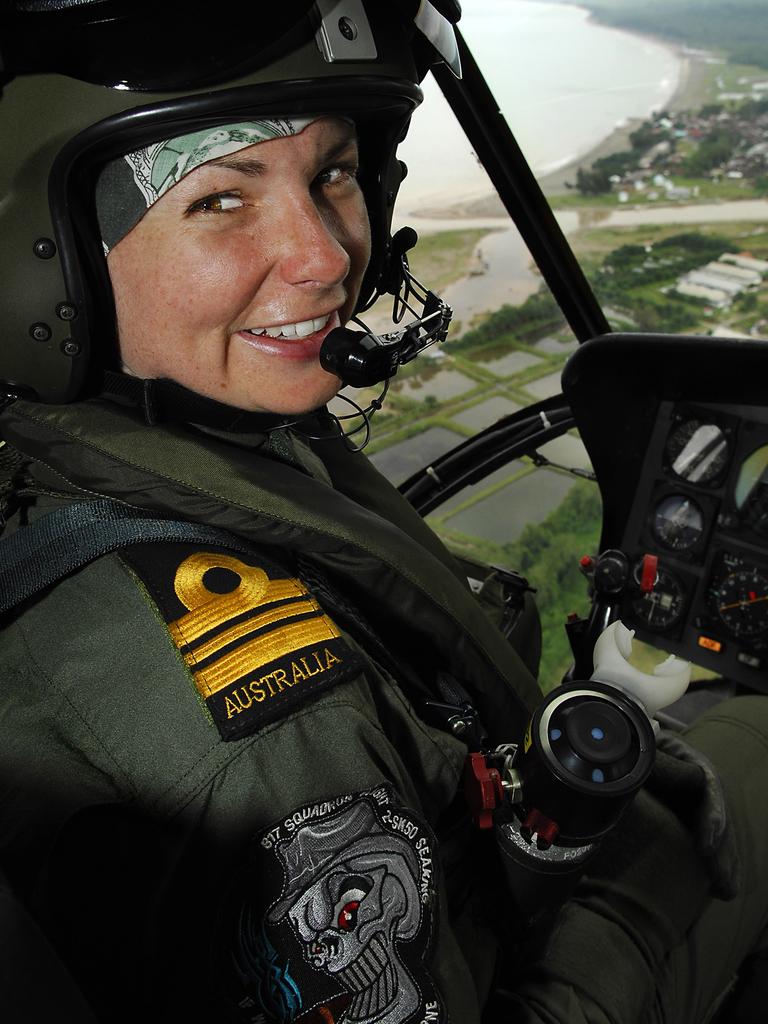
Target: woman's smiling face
231, 281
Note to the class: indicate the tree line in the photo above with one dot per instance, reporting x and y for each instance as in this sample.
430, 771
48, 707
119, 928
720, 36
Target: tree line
738, 27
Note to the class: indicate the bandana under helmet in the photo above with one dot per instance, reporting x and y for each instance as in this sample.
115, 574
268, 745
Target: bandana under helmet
129, 185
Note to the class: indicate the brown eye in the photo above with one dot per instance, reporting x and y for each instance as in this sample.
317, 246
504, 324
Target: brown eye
219, 202
338, 174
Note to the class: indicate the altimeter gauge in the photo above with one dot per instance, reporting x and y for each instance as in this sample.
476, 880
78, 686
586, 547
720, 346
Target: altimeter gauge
741, 601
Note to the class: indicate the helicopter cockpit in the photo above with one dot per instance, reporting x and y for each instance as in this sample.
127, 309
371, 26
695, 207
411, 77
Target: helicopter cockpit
674, 426
560, 365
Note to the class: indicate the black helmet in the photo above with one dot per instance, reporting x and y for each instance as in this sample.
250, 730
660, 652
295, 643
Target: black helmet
85, 81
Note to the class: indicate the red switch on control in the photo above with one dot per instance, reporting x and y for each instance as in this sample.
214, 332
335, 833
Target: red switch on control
649, 573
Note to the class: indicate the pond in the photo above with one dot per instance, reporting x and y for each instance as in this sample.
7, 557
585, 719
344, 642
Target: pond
503, 516
567, 451
439, 384
544, 387
510, 362
467, 493
556, 347
400, 460
482, 415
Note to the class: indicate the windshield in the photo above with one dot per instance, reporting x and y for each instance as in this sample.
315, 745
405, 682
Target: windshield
650, 143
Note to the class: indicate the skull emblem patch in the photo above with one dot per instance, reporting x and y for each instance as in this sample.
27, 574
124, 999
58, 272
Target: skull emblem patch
347, 938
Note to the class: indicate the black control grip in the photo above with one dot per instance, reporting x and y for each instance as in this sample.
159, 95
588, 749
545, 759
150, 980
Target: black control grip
588, 750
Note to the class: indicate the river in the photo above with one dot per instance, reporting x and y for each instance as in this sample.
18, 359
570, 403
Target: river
510, 276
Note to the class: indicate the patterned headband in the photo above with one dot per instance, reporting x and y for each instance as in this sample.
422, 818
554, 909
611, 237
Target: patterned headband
129, 185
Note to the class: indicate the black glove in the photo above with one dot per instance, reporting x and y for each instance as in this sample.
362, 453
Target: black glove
685, 780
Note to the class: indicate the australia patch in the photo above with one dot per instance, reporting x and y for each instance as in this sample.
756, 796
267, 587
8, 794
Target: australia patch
335, 918
255, 641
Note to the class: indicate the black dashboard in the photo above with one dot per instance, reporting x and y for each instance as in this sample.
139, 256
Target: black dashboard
677, 429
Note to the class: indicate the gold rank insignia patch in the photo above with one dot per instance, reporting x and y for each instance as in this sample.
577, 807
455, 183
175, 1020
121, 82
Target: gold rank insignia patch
256, 643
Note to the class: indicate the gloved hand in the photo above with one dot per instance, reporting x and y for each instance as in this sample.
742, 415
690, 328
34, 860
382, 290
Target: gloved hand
684, 780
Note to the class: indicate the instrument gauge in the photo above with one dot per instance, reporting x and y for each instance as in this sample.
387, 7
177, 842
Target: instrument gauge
678, 522
663, 607
741, 601
697, 451
751, 491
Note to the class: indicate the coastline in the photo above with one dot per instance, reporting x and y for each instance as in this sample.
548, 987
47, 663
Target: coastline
689, 93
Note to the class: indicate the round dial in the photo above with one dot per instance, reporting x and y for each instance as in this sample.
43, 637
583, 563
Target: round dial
664, 605
697, 451
678, 522
741, 601
751, 490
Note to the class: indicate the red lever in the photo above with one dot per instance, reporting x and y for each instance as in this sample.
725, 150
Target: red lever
483, 789
649, 573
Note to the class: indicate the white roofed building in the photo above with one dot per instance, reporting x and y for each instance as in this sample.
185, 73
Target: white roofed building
714, 296
724, 284
735, 273
747, 262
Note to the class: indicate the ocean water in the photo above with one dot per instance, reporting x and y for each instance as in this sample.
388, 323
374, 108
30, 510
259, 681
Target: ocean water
563, 82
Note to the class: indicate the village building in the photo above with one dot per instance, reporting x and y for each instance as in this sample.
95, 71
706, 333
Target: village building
714, 296
746, 261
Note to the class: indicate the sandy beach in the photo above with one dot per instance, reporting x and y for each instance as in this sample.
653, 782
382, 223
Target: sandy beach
510, 275
688, 94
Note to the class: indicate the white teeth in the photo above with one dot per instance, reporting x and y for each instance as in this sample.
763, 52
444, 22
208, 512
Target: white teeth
305, 328
302, 329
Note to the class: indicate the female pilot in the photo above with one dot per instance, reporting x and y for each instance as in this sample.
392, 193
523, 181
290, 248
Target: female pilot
223, 799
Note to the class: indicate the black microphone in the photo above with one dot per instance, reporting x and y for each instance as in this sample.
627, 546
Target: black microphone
360, 357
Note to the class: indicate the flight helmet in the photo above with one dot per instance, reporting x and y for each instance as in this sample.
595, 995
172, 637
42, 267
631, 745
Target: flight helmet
86, 81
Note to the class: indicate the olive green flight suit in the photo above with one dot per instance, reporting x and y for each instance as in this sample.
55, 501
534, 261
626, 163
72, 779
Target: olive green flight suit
169, 861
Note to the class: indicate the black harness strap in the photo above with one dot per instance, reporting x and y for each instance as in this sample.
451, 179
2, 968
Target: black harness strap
39, 555
36, 556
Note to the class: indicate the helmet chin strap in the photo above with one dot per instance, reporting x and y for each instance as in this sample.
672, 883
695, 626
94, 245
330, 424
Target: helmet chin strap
166, 401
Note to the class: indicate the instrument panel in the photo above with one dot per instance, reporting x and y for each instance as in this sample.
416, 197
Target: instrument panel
701, 506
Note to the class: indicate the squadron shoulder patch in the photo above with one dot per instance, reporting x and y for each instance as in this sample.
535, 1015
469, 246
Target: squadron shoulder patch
255, 641
334, 919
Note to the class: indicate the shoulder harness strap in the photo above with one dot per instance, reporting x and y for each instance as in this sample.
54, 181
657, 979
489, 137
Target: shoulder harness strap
39, 555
